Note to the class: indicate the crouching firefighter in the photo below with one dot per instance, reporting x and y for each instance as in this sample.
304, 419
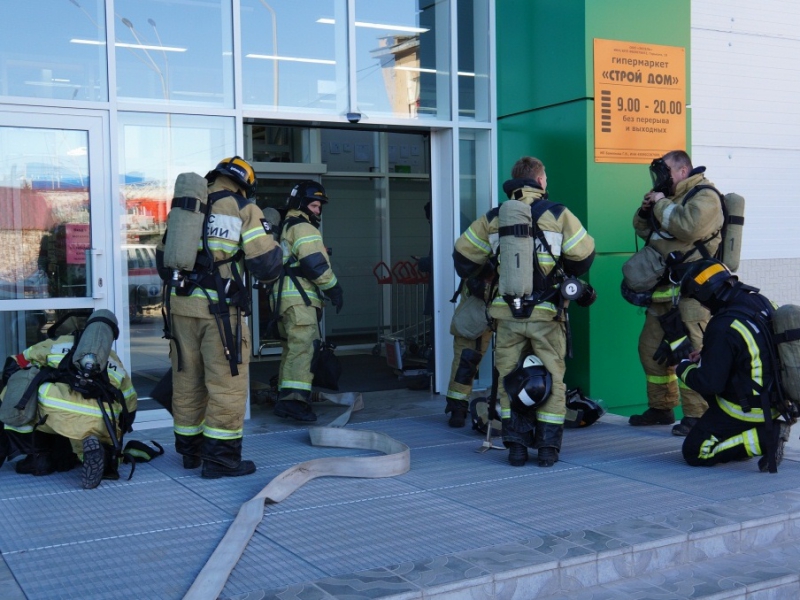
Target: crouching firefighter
67, 396
299, 296
737, 372
205, 262
541, 249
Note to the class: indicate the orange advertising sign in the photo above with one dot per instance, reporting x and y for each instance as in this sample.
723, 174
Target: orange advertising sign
639, 101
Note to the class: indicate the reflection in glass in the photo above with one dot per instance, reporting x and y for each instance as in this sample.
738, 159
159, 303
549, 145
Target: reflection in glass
475, 183
292, 58
40, 57
44, 213
172, 51
401, 58
153, 150
473, 60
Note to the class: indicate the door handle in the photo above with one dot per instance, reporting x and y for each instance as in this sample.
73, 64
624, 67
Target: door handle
98, 283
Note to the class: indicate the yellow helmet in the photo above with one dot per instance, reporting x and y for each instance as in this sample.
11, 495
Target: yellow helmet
237, 169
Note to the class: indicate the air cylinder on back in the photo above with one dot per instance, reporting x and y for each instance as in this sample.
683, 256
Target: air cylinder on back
516, 249
94, 347
185, 222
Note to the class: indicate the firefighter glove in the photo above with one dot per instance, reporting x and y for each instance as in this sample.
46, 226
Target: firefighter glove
675, 346
336, 296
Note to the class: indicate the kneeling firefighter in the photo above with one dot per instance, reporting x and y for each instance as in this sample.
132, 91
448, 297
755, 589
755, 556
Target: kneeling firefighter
207, 305
298, 298
541, 248
68, 396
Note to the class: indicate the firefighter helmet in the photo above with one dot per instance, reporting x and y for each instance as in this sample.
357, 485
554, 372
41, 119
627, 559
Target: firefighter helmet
529, 385
303, 194
708, 281
582, 411
239, 170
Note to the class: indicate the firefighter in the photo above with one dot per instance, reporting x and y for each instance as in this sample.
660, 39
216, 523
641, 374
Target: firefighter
467, 355
734, 371
673, 219
210, 340
85, 403
298, 299
561, 248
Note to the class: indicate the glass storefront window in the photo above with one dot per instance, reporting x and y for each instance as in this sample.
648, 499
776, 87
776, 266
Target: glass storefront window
153, 150
473, 60
402, 58
294, 55
54, 50
175, 52
44, 213
475, 180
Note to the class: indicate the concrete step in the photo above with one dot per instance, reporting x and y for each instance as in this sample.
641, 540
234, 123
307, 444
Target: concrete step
754, 559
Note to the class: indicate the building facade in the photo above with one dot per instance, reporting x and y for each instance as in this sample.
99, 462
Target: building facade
390, 104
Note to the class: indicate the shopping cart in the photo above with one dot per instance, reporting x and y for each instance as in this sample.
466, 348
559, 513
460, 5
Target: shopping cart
408, 345
383, 274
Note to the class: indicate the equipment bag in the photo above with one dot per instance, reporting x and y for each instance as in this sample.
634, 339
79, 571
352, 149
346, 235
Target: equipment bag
185, 222
516, 249
21, 398
642, 271
786, 326
325, 366
470, 320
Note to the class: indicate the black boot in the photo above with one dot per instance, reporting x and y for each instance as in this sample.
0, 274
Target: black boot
517, 454
189, 447
548, 443
458, 412
94, 463
38, 464
5, 445
295, 409
223, 458
517, 436
653, 416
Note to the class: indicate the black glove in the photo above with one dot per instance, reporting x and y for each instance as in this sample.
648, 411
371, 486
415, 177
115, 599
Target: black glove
682, 366
336, 296
675, 346
476, 287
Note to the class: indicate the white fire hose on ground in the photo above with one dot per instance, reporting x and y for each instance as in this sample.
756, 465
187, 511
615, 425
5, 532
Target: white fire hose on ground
396, 460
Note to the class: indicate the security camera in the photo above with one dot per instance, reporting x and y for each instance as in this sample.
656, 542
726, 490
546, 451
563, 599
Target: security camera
353, 117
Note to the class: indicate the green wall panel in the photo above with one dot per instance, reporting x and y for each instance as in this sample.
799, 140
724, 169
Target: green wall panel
546, 109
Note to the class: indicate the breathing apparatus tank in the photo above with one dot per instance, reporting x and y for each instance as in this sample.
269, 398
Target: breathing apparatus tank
516, 249
734, 223
786, 326
272, 222
185, 222
94, 346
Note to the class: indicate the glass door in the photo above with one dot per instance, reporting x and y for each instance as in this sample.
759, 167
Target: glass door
53, 224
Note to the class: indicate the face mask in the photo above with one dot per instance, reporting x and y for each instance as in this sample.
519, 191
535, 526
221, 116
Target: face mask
659, 173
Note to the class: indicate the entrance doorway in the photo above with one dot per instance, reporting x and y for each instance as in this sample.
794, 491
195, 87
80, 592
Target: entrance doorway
375, 225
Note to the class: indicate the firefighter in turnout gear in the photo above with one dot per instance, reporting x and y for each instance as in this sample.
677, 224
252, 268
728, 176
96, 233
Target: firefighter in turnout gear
683, 226
299, 297
536, 323
83, 410
207, 327
735, 372
467, 353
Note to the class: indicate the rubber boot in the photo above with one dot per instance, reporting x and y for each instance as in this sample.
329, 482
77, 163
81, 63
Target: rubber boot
653, 416
516, 441
780, 435
223, 458
189, 447
38, 464
458, 412
295, 409
5, 445
548, 443
94, 463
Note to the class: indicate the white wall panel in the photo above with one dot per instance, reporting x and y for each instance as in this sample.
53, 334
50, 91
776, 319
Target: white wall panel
745, 65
